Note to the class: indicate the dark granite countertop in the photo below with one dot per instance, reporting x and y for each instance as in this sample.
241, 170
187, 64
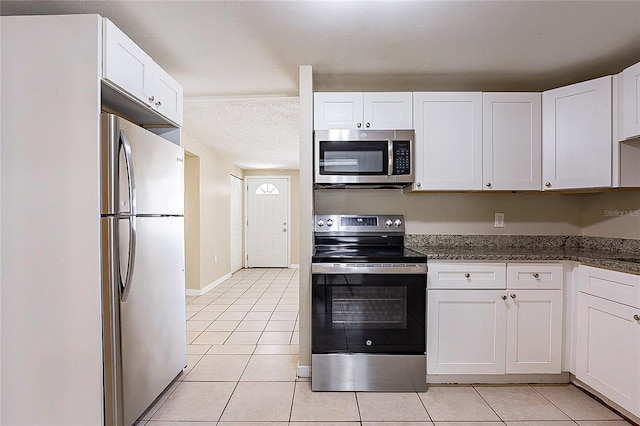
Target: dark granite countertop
592, 251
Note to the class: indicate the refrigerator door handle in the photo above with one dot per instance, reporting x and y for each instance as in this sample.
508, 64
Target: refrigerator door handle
131, 176
125, 287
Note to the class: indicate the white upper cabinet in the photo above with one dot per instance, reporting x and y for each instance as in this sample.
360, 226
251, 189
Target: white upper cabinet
358, 110
511, 143
167, 95
129, 69
631, 102
576, 135
448, 143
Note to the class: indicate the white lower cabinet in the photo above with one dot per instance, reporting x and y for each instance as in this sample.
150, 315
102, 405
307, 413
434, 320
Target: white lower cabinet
501, 330
466, 332
534, 331
608, 335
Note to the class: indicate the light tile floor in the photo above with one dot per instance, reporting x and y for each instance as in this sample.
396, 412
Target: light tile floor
242, 357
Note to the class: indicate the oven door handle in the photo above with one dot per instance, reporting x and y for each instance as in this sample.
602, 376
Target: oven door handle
351, 268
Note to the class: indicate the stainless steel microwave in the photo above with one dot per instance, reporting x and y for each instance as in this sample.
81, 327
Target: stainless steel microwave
367, 157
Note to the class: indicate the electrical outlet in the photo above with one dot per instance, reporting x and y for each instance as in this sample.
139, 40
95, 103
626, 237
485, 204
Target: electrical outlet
499, 220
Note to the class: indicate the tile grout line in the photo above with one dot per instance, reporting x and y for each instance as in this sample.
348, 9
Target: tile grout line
488, 405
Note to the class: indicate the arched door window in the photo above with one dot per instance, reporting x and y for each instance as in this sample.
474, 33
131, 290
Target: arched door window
267, 189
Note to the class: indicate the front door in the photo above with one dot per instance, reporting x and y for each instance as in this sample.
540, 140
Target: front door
267, 222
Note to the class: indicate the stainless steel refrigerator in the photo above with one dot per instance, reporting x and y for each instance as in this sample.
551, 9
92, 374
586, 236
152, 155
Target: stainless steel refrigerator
143, 278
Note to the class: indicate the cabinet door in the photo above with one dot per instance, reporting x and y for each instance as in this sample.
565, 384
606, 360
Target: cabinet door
466, 331
167, 94
337, 110
631, 101
608, 350
126, 65
512, 141
576, 135
448, 142
388, 110
534, 331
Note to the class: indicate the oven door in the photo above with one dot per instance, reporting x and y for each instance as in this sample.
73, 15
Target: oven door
353, 158
369, 312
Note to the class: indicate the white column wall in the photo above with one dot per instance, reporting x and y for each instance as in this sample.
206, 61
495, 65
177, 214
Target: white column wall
51, 328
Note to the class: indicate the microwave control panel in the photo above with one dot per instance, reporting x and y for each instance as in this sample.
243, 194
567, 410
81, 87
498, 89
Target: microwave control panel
401, 157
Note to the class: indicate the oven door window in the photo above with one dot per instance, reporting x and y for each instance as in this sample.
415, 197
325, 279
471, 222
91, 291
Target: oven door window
354, 158
368, 313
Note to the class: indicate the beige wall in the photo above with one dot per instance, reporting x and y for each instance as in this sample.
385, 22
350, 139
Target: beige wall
612, 214
465, 213
192, 220
294, 175
215, 224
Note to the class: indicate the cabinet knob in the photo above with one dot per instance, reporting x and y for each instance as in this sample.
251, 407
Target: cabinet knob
368, 125
513, 296
158, 103
488, 185
151, 99
636, 317
548, 184
359, 125
536, 275
504, 297
467, 275
418, 184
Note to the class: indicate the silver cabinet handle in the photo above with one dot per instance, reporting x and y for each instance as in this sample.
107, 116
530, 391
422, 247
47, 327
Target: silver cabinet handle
368, 125
513, 296
467, 275
359, 125
504, 297
418, 184
536, 275
636, 317
488, 185
548, 184
152, 98
158, 103
284, 230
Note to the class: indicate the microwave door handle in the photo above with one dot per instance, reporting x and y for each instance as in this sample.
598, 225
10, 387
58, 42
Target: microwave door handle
390, 155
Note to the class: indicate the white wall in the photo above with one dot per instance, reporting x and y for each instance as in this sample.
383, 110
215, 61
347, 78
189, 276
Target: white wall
51, 319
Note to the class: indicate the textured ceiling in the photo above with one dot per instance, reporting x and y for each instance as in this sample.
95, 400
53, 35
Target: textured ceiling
258, 133
248, 49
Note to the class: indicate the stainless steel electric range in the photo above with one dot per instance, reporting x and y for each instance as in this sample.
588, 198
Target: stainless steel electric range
368, 306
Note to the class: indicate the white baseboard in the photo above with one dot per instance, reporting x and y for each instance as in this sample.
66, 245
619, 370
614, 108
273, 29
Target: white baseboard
294, 266
204, 290
304, 370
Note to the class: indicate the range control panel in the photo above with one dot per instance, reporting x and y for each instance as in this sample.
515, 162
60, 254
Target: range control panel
359, 224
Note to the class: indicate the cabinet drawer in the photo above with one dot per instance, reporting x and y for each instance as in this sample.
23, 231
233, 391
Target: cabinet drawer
467, 275
611, 285
548, 276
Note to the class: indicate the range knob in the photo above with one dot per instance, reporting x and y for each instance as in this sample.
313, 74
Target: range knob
321, 222
397, 223
329, 222
389, 222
